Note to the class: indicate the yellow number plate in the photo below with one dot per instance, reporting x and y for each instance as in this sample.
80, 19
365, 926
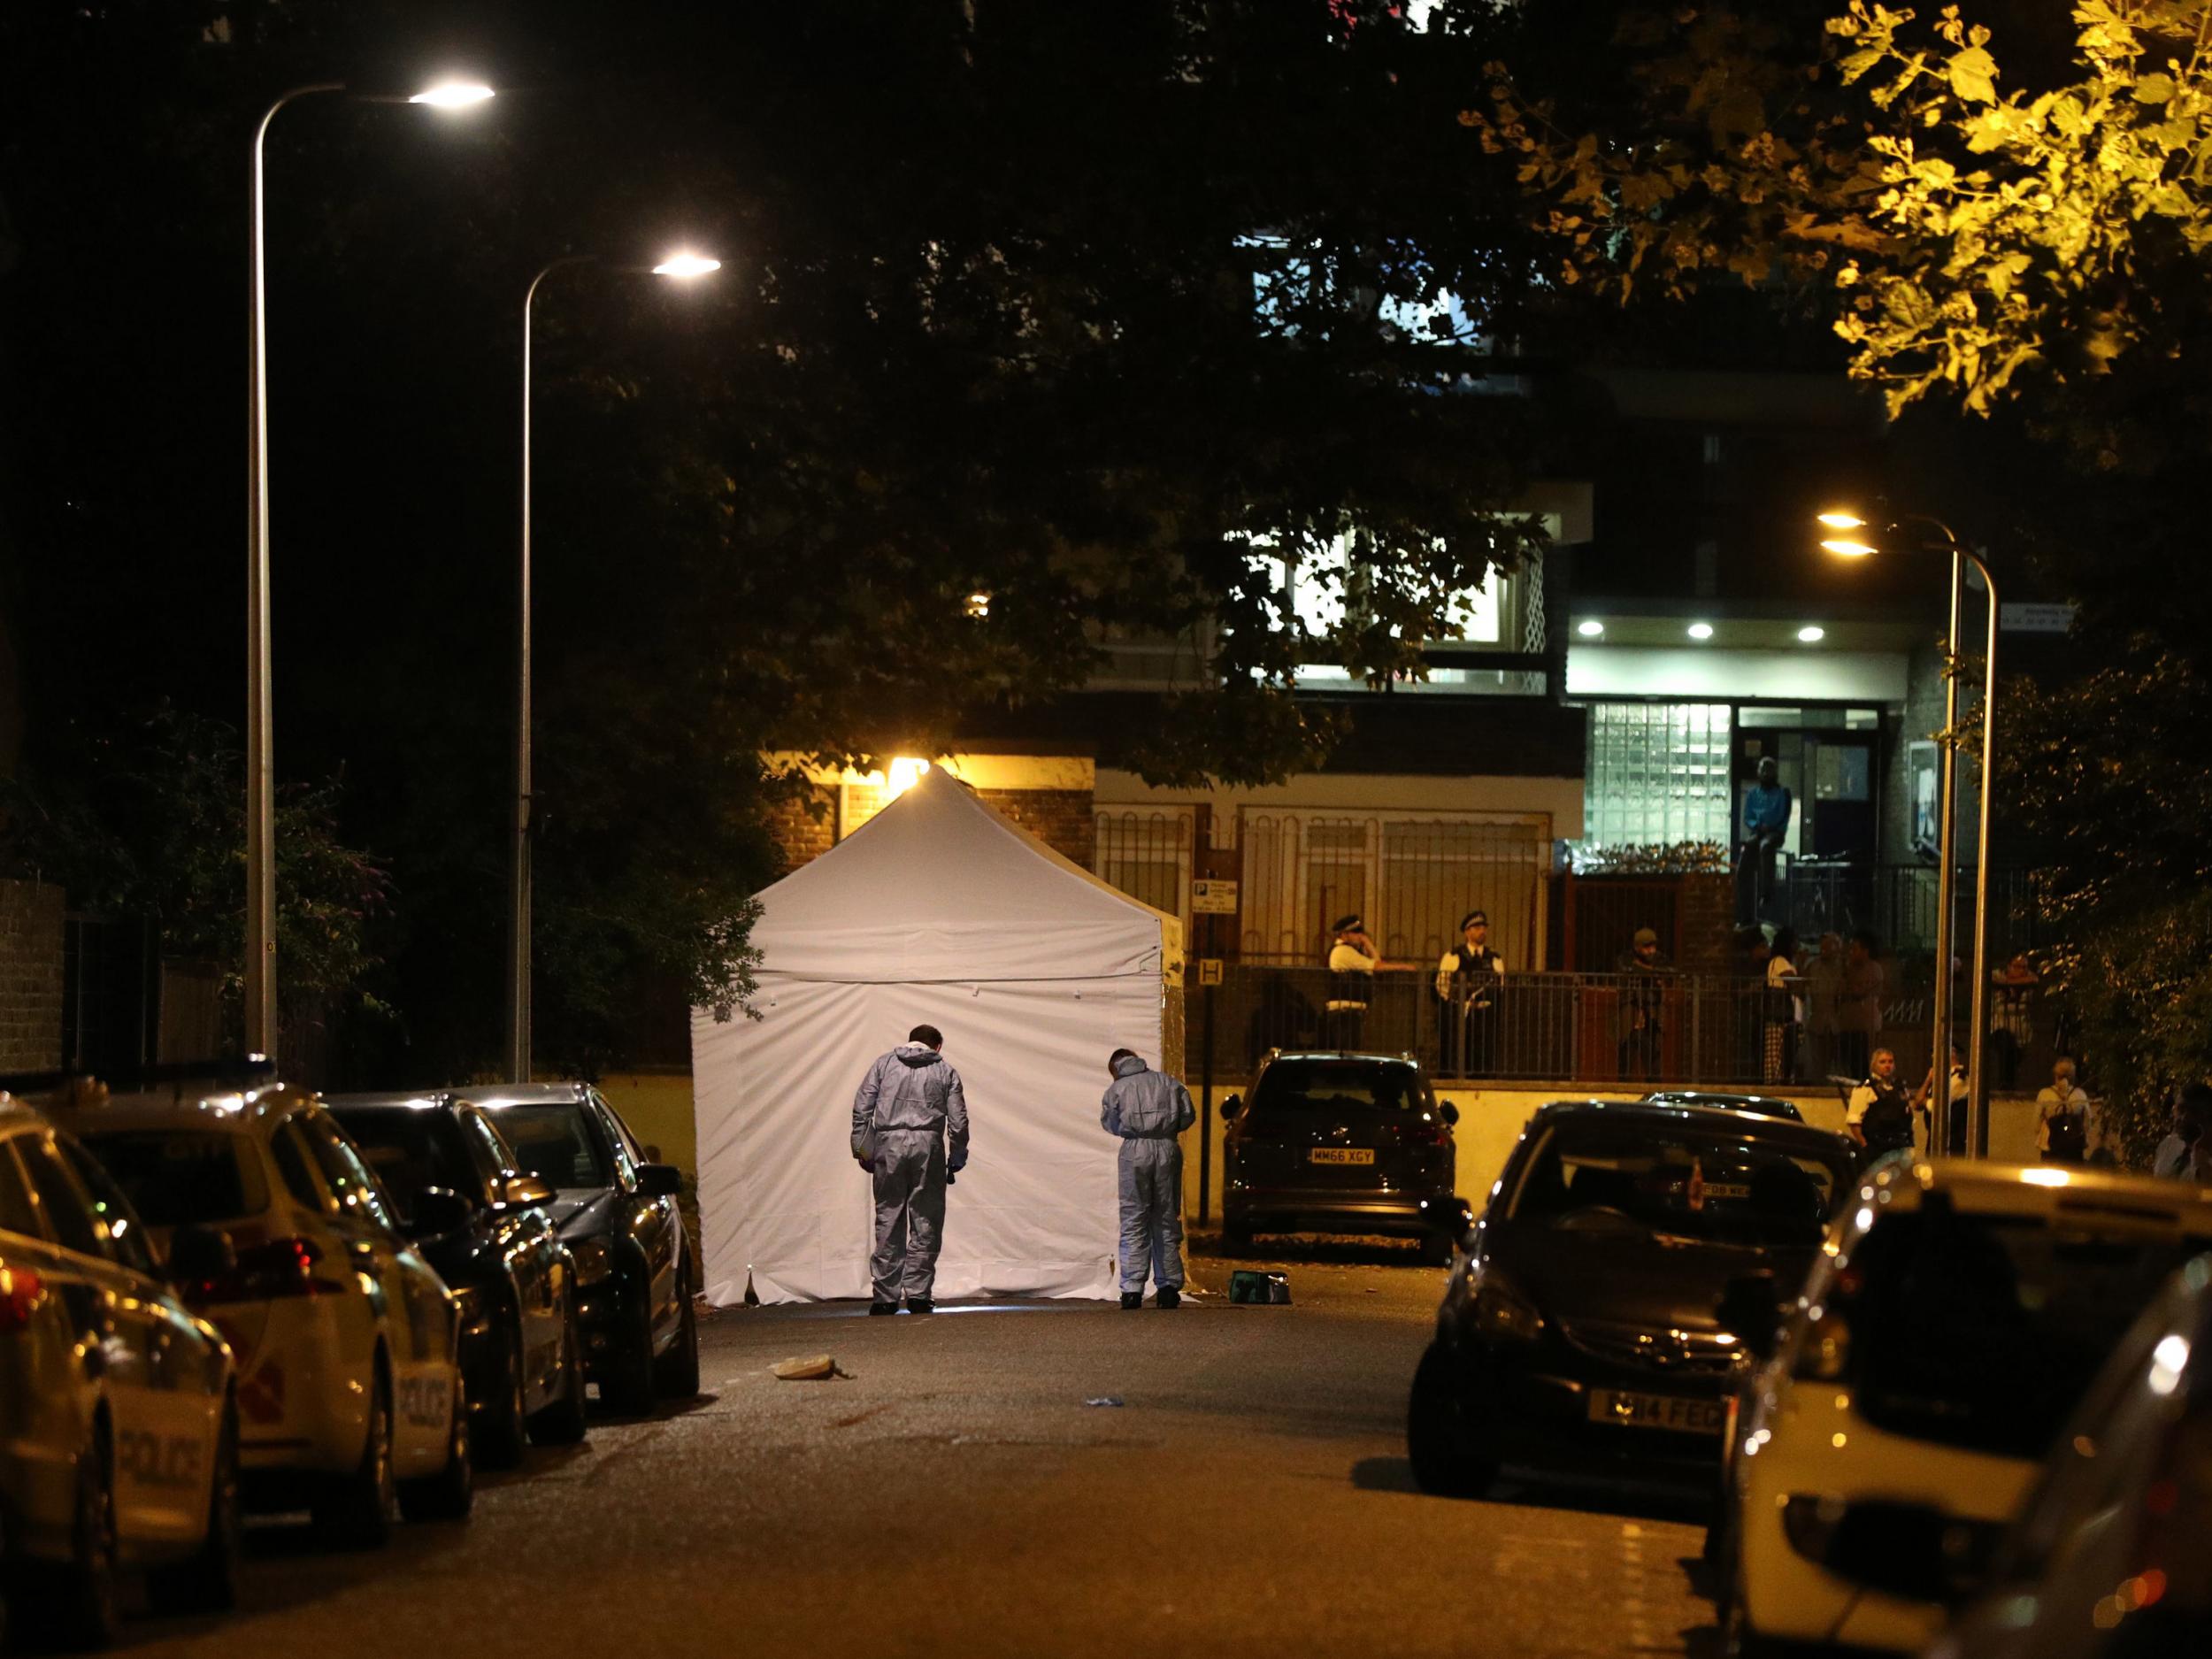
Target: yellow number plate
1657, 1411
1341, 1155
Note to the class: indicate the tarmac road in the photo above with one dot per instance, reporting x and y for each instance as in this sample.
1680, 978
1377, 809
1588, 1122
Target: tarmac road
955, 1496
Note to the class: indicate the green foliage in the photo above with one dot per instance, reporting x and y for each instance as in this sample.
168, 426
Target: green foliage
149, 819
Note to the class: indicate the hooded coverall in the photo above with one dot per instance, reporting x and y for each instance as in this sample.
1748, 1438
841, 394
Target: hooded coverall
905, 1110
1148, 1110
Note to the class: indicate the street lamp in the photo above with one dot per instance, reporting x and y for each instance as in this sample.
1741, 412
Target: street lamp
681, 266
260, 989
1847, 545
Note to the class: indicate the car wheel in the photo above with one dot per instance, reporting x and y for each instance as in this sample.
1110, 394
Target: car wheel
562, 1423
676, 1375
450, 1494
355, 1511
1436, 1433
207, 1581
628, 1385
502, 1432
81, 1606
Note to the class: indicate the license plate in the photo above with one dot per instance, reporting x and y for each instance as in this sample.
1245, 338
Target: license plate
1657, 1411
1341, 1155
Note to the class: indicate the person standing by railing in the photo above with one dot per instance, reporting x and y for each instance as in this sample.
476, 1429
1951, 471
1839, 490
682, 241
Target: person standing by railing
1859, 1015
1353, 960
1469, 979
1766, 826
1785, 1010
1642, 1002
1823, 983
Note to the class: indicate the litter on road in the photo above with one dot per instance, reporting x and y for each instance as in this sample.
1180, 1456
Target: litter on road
812, 1368
1259, 1289
1104, 1400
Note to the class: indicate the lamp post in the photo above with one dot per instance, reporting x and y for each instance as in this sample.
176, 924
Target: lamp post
1977, 1097
679, 267
260, 988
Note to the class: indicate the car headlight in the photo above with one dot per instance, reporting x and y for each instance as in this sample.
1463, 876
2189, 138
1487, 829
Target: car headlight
594, 1259
1503, 1314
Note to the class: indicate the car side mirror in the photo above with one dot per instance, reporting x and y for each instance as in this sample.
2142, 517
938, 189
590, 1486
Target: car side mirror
199, 1255
1904, 1549
1449, 1112
1752, 1310
522, 1190
436, 1211
1230, 1107
660, 1180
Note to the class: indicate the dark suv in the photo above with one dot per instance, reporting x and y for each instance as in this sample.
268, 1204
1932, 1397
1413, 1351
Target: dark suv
1334, 1142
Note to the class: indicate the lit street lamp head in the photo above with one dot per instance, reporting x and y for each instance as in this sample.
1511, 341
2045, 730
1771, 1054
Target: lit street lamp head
452, 95
1850, 550
684, 266
1843, 520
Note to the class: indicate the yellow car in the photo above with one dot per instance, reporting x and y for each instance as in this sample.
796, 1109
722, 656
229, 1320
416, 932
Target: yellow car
350, 1402
119, 1416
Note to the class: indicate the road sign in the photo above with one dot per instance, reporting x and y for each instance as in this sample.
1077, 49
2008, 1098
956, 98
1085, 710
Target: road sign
1209, 970
2035, 618
1213, 898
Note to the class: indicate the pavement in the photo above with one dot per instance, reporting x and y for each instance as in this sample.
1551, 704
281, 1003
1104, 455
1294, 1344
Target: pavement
956, 1494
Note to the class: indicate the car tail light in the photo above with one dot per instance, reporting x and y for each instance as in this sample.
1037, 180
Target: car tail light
263, 1272
21, 1292
1428, 1135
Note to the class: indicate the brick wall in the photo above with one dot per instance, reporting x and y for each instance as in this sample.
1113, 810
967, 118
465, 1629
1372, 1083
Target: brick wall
30, 976
1065, 820
804, 826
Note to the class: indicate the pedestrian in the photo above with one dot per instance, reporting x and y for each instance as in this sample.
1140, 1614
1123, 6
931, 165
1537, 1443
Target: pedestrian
1824, 977
1469, 979
1766, 826
1148, 1109
2177, 1153
1954, 1116
1642, 1002
1353, 960
2011, 1018
910, 1133
1785, 1009
1859, 1013
2062, 1113
1879, 1115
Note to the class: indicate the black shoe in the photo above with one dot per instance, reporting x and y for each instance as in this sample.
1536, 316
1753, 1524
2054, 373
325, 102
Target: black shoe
1131, 1300
920, 1304
883, 1306
1168, 1298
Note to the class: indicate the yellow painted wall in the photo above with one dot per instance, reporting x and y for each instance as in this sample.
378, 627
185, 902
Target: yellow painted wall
656, 1105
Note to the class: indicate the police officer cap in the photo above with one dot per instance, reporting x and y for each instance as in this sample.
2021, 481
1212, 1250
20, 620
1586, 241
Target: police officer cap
1645, 936
1470, 919
1349, 924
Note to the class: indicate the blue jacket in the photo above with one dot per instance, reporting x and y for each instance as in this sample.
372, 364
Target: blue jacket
1765, 811
1142, 1104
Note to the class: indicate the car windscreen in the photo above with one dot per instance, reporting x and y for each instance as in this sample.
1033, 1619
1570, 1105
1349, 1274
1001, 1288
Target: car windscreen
557, 1143
409, 1150
183, 1177
1728, 1184
1985, 1331
1339, 1086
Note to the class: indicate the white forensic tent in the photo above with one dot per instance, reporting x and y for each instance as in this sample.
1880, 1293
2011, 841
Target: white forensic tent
937, 911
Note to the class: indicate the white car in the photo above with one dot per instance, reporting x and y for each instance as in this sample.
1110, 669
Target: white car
1955, 1318
350, 1402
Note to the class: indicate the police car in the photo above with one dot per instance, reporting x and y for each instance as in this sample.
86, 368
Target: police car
1955, 1318
118, 1421
350, 1402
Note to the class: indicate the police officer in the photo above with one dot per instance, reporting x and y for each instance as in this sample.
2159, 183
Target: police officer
1148, 1110
1880, 1117
906, 1110
1467, 982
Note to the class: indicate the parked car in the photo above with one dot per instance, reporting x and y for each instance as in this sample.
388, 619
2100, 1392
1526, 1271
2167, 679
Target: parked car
480, 1221
617, 1215
1580, 1332
2109, 1555
350, 1399
1336, 1143
130, 1463
1955, 1319
1765, 1105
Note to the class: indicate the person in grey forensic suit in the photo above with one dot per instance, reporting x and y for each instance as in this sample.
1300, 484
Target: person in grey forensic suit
1148, 1110
910, 1133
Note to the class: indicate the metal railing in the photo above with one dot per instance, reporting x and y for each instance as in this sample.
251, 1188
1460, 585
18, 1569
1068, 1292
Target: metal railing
1608, 1031
1897, 904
